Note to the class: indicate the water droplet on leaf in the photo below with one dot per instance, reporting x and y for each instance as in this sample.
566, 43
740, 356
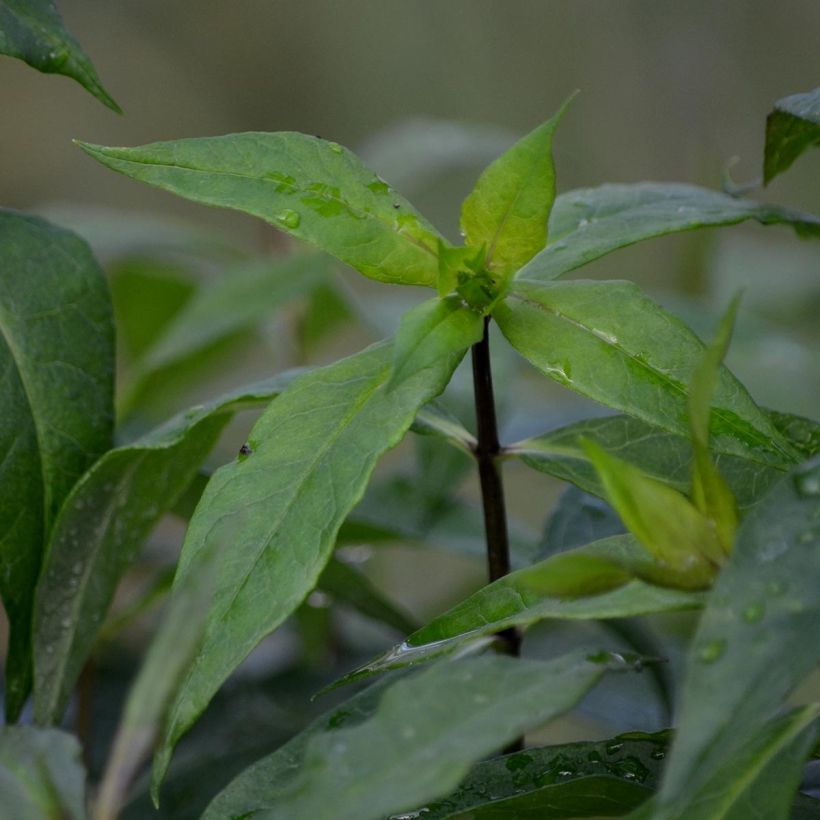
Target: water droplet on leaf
290, 219
712, 650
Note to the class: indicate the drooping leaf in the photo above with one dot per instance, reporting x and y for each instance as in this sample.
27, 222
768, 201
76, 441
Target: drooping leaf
169, 654
608, 341
508, 210
710, 492
792, 127
56, 404
665, 456
33, 31
41, 774
751, 648
432, 330
600, 779
426, 732
279, 508
592, 583
315, 190
591, 222
109, 513
664, 521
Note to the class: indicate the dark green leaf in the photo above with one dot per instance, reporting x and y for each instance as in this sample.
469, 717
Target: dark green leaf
32, 30
591, 222
752, 646
602, 779
277, 510
791, 128
310, 188
41, 775
608, 341
428, 729
508, 210
103, 523
56, 413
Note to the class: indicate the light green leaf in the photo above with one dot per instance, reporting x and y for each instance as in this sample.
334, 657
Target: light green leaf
436, 420
610, 342
591, 583
791, 128
508, 210
426, 732
110, 512
305, 186
170, 653
41, 774
32, 30
665, 522
591, 222
435, 329
600, 779
665, 456
277, 510
56, 404
765, 598
710, 492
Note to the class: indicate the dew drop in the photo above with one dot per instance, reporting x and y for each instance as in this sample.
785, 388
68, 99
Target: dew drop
335, 147
614, 748
66, 623
712, 650
808, 483
754, 612
77, 568
288, 218
657, 754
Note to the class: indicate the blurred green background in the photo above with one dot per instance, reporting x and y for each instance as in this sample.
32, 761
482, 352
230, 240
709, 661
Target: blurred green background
428, 92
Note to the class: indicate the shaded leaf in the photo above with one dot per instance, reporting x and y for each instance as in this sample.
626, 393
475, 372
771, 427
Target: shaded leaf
41, 774
608, 341
280, 507
32, 31
591, 222
508, 210
103, 523
750, 649
56, 404
792, 127
315, 190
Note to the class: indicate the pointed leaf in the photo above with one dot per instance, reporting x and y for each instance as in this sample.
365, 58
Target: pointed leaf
664, 456
110, 512
608, 341
310, 188
435, 329
41, 774
32, 30
591, 222
508, 210
278, 509
56, 406
791, 128
765, 598
426, 732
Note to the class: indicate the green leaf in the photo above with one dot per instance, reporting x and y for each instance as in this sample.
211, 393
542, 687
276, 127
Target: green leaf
751, 647
508, 210
665, 456
591, 583
110, 512
791, 128
600, 779
171, 651
427, 731
305, 186
278, 509
608, 341
56, 404
353, 588
436, 420
591, 222
32, 31
41, 774
710, 492
435, 329
665, 522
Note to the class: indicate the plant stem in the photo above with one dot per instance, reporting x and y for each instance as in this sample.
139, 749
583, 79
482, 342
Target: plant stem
487, 451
